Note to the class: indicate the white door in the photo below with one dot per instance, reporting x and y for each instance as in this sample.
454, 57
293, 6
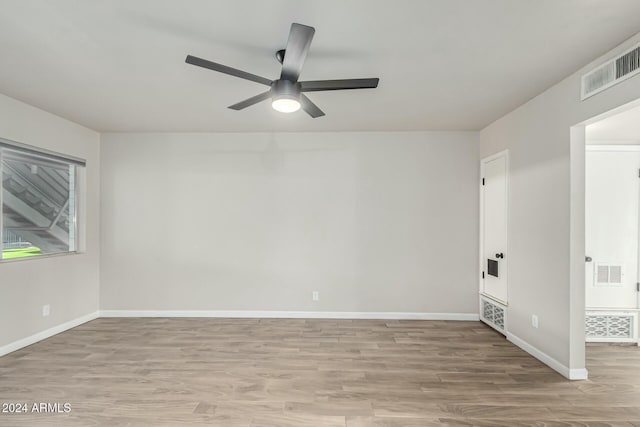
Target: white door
612, 197
493, 251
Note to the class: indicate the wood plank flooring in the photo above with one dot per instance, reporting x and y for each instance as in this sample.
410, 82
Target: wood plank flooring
296, 372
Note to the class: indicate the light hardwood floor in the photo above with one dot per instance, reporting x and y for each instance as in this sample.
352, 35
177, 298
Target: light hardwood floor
278, 372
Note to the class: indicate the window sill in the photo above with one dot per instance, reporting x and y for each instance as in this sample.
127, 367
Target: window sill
33, 258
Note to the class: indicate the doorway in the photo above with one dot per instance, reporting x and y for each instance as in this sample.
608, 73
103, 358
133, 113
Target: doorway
493, 240
612, 228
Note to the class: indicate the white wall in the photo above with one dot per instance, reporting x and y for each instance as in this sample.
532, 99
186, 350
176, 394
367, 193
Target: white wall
620, 129
546, 208
68, 283
376, 222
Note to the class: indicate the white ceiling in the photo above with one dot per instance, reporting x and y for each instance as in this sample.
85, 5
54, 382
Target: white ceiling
622, 128
118, 65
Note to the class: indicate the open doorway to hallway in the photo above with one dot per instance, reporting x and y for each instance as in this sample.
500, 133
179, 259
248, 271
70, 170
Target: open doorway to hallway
612, 237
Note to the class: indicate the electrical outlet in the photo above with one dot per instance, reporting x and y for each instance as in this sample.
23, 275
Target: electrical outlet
315, 295
46, 310
534, 320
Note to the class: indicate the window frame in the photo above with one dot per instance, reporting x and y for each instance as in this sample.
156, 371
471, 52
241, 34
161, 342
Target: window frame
54, 157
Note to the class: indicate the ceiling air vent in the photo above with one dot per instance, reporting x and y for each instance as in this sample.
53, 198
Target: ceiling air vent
611, 72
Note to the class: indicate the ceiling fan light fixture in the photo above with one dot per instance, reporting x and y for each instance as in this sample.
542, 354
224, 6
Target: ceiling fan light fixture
285, 104
287, 93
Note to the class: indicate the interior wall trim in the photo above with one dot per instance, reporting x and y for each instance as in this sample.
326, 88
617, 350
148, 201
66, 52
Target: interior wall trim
292, 314
572, 374
32, 339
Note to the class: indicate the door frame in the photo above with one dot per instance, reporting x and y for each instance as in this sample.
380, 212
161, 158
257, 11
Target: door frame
483, 161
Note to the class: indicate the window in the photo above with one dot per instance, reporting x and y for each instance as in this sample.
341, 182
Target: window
39, 201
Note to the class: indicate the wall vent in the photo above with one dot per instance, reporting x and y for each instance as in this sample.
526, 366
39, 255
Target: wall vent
493, 314
611, 326
608, 275
611, 72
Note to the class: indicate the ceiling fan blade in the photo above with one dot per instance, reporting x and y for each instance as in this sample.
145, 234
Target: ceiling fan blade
193, 60
318, 85
249, 102
310, 108
300, 38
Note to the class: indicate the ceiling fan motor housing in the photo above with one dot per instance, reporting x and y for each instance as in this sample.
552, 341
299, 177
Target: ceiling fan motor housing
285, 89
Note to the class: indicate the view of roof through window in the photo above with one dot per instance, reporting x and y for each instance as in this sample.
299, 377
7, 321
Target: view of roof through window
38, 205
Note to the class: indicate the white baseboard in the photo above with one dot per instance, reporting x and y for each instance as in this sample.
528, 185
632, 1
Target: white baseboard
24, 342
291, 314
578, 374
572, 374
17, 345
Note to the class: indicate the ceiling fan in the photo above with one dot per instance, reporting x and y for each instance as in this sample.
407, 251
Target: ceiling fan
287, 93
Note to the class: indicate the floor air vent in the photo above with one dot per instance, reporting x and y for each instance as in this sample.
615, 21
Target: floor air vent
493, 314
611, 326
611, 72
